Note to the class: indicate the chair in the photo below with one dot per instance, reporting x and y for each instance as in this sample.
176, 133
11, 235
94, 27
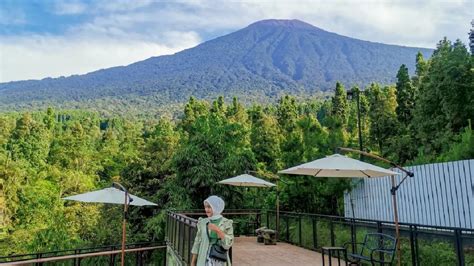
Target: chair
376, 248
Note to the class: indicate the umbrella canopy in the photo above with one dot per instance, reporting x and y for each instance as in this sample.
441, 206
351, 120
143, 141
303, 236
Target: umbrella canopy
246, 180
109, 195
337, 165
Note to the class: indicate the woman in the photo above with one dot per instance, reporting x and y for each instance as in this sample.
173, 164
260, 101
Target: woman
214, 230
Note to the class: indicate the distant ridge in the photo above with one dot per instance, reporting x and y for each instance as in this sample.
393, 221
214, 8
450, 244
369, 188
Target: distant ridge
265, 59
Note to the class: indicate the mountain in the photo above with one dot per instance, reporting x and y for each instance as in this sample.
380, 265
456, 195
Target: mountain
263, 60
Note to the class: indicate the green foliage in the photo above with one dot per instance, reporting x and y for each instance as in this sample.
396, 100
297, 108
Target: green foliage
246, 63
406, 96
176, 162
446, 97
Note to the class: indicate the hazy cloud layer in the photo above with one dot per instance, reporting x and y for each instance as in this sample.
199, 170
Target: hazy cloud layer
82, 36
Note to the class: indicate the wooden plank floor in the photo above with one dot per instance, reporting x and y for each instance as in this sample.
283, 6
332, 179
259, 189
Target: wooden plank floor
246, 251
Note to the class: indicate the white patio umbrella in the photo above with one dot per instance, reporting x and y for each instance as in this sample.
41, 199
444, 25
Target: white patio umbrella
338, 165
246, 180
116, 194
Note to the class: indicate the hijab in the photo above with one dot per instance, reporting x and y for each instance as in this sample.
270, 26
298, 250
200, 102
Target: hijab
217, 204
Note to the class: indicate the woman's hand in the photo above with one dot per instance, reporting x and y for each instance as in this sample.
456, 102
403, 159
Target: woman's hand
215, 228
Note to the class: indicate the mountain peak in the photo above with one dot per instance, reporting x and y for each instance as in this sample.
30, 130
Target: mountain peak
286, 23
266, 59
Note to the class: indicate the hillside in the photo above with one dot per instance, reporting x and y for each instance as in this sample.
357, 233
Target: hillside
259, 62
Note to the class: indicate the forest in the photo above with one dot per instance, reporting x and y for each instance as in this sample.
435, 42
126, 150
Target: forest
47, 155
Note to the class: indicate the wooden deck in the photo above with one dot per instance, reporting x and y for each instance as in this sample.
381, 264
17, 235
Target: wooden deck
246, 251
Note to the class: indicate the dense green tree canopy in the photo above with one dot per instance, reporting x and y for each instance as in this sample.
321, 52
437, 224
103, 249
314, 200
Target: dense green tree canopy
176, 163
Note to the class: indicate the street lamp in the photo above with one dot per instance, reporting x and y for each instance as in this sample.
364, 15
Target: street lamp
351, 94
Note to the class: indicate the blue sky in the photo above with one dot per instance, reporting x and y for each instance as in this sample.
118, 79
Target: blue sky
52, 38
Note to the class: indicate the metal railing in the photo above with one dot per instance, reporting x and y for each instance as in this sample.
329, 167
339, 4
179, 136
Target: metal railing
181, 228
420, 244
136, 254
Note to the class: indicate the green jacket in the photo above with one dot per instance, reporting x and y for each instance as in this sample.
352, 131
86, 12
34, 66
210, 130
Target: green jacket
201, 242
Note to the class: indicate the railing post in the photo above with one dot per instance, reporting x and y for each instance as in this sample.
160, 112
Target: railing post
39, 257
258, 224
167, 226
299, 231
268, 219
137, 259
175, 233
112, 258
416, 246
75, 259
315, 233
287, 229
331, 226
353, 235
190, 244
412, 247
181, 238
459, 246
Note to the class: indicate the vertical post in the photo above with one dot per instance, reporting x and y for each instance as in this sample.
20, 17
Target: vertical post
416, 246
459, 249
190, 242
359, 124
395, 212
277, 213
353, 235
180, 239
287, 229
315, 238
331, 227
412, 247
299, 231
259, 216
75, 259
268, 220
124, 231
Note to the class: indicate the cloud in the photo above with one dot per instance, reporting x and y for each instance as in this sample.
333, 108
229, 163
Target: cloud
120, 32
38, 56
62, 7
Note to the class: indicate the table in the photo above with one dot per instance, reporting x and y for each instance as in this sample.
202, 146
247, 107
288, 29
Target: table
330, 251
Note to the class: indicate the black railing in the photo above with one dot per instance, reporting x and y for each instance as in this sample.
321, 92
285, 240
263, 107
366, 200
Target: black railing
245, 220
136, 254
180, 233
181, 228
420, 244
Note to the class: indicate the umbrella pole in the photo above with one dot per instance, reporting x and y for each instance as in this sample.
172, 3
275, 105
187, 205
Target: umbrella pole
124, 231
277, 215
397, 226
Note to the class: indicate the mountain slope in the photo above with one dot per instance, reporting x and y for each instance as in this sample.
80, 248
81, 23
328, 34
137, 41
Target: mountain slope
267, 58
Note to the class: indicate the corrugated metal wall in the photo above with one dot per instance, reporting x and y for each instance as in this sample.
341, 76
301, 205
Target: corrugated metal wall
439, 194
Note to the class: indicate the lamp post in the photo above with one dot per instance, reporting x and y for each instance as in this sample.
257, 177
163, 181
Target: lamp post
351, 94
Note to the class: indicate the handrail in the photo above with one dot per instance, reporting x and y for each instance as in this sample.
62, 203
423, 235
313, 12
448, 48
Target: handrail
77, 256
298, 214
132, 247
80, 249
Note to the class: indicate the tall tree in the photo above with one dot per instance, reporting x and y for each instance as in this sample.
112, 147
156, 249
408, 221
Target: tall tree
382, 115
446, 96
406, 96
340, 106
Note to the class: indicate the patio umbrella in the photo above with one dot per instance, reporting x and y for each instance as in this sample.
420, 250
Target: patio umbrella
246, 180
338, 165
116, 194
